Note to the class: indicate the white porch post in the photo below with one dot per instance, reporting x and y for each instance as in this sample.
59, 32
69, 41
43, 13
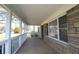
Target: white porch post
24, 27
21, 27
20, 33
34, 28
8, 34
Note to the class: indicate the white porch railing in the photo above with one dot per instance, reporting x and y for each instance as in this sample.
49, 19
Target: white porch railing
16, 43
2, 47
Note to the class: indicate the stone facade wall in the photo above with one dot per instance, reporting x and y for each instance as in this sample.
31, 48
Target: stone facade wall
58, 46
73, 29
72, 46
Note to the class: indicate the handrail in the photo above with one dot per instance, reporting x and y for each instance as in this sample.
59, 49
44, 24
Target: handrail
4, 40
17, 42
19, 38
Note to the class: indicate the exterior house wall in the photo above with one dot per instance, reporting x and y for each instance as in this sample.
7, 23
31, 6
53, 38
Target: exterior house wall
72, 46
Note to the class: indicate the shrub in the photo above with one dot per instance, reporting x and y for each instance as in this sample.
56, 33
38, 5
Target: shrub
16, 30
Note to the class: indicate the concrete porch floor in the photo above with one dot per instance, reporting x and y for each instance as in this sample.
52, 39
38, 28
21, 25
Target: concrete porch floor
35, 46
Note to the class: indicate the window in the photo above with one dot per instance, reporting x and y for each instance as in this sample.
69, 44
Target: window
63, 28
52, 29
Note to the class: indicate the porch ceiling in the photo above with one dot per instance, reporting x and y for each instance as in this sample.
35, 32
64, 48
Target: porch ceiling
34, 14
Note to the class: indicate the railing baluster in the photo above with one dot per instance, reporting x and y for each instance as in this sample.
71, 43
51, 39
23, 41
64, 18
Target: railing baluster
16, 43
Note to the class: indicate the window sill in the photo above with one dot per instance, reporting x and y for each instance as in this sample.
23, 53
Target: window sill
62, 42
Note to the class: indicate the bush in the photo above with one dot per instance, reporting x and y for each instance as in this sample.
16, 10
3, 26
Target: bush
17, 30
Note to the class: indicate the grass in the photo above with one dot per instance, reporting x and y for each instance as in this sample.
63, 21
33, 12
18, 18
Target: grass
2, 36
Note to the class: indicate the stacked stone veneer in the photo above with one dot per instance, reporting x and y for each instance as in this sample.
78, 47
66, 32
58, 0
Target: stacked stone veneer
72, 46
73, 33
58, 46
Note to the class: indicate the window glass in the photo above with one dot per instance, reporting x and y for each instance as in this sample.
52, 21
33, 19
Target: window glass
63, 28
52, 29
